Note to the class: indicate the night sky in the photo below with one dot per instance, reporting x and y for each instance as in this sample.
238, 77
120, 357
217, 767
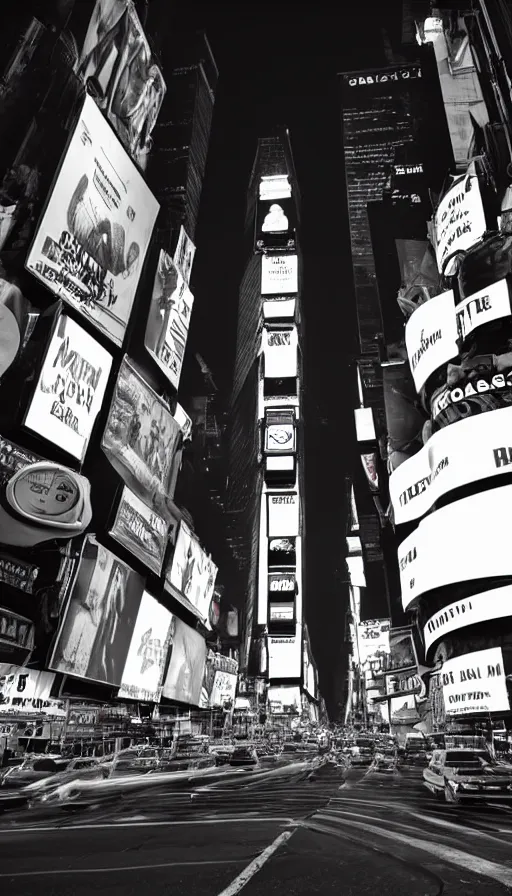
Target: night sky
277, 66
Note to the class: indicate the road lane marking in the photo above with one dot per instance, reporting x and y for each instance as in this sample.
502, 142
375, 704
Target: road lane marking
477, 865
146, 824
256, 865
118, 868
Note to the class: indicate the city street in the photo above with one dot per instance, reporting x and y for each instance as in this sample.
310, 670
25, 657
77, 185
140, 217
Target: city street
380, 832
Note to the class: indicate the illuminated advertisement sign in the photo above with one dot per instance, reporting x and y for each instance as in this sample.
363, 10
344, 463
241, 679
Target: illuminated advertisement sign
449, 534
459, 221
144, 668
283, 515
97, 624
169, 319
494, 604
475, 683
141, 438
140, 531
280, 351
224, 688
431, 337
384, 76
184, 255
192, 572
369, 462
280, 432
279, 308
16, 632
285, 699
70, 388
92, 239
281, 612
27, 691
402, 654
275, 186
403, 683
373, 644
281, 583
473, 450
184, 679
279, 274
482, 307
285, 656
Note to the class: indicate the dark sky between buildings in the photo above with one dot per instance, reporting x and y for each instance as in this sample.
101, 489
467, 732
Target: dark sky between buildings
277, 64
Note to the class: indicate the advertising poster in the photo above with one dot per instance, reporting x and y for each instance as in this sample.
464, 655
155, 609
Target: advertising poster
284, 611
184, 679
280, 348
142, 678
129, 87
475, 683
431, 337
459, 221
287, 698
450, 533
14, 458
215, 662
493, 604
476, 393
279, 274
16, 632
275, 224
99, 619
474, 450
169, 319
141, 531
279, 308
92, 239
403, 683
25, 691
141, 438
285, 656
70, 389
402, 654
18, 573
274, 186
224, 688
483, 307
192, 573
184, 255
280, 433
283, 515
404, 711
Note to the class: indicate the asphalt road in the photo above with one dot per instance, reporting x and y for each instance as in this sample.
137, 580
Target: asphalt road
377, 833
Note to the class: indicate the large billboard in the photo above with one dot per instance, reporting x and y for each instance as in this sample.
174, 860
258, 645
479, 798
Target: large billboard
283, 515
169, 319
280, 350
431, 337
128, 85
459, 221
402, 651
279, 274
475, 683
141, 438
70, 388
473, 450
373, 644
26, 691
285, 656
142, 677
482, 307
98, 622
192, 572
184, 679
443, 550
284, 700
92, 239
140, 531
219, 680
493, 604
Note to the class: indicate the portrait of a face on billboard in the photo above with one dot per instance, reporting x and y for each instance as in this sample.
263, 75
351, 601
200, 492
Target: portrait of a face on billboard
92, 239
141, 438
275, 224
184, 679
70, 389
145, 663
169, 319
99, 619
192, 573
128, 86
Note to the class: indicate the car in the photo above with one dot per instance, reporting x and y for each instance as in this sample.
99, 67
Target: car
465, 775
245, 755
34, 769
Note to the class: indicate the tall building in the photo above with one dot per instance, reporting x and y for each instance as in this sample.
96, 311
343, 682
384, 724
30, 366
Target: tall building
266, 465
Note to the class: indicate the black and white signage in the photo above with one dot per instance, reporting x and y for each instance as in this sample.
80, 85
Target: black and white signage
184, 255
27, 692
282, 612
275, 186
279, 274
443, 550
483, 307
280, 432
285, 656
280, 348
475, 683
169, 319
459, 221
386, 76
283, 515
70, 389
140, 530
91, 242
471, 389
431, 337
494, 604
142, 677
281, 583
476, 448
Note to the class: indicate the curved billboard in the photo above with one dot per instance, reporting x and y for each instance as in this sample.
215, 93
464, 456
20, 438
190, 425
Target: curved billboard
477, 448
494, 604
466, 540
475, 683
431, 337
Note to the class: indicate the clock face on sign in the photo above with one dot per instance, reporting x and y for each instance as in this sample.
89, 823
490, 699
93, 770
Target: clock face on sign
280, 437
